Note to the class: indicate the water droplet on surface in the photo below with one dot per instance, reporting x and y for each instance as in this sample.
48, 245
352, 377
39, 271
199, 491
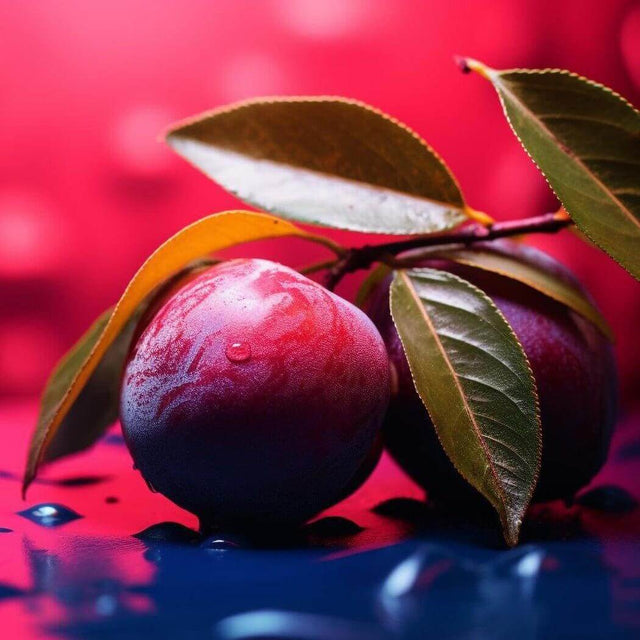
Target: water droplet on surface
49, 515
77, 481
403, 509
608, 498
9, 591
219, 543
171, 532
238, 351
333, 527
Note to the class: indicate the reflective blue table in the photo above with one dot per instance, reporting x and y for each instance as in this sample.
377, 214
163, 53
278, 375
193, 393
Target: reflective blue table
93, 553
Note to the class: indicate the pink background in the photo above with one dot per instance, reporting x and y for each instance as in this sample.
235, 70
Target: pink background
87, 192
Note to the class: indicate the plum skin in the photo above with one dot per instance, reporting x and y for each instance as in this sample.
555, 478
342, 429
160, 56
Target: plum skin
254, 396
575, 373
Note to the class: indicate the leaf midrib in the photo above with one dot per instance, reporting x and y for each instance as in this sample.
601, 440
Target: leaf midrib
458, 207
467, 408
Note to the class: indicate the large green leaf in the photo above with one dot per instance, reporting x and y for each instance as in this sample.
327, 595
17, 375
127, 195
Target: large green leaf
586, 140
476, 383
93, 361
326, 161
533, 268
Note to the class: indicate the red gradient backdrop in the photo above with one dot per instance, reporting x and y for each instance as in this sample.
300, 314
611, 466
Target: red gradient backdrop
87, 191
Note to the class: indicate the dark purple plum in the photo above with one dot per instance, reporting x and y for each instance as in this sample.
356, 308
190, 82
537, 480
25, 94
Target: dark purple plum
575, 373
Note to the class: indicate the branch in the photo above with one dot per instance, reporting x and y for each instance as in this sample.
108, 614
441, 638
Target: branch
364, 257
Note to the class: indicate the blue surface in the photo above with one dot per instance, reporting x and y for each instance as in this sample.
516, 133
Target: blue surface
414, 589
382, 565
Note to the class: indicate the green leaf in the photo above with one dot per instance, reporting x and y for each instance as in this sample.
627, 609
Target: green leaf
97, 405
94, 357
327, 161
475, 381
533, 268
586, 141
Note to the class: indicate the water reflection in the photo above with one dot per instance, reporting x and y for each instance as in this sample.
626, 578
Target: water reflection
86, 579
154, 587
290, 625
531, 592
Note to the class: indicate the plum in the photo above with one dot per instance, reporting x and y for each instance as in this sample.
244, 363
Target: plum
254, 397
574, 369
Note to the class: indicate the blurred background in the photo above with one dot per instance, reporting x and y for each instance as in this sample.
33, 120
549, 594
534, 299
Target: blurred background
87, 191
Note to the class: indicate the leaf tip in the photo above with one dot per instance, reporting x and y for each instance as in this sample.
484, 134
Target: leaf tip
26, 482
164, 136
512, 534
462, 64
511, 525
168, 136
467, 65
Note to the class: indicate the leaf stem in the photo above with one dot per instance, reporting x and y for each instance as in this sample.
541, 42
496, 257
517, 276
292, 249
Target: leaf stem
363, 257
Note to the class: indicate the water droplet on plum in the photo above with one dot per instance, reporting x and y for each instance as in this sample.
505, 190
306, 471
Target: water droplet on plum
238, 351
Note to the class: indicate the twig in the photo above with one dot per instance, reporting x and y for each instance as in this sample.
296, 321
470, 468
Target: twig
364, 257
317, 266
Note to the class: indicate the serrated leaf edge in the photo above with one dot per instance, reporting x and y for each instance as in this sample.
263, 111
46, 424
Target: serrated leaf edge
493, 76
235, 106
602, 325
511, 533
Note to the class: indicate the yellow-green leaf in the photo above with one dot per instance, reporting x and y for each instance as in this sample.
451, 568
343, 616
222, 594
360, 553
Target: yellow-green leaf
475, 381
326, 161
71, 376
533, 268
586, 141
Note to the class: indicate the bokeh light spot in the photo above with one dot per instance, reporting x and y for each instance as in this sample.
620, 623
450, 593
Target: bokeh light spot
630, 44
135, 142
31, 236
